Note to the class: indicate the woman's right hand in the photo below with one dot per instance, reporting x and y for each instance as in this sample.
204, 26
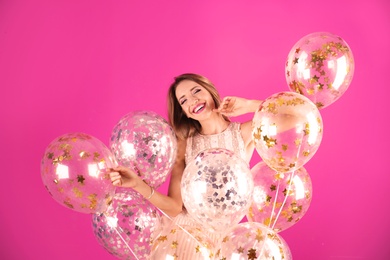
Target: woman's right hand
124, 177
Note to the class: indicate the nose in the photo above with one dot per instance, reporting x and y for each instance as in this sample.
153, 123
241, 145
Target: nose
194, 100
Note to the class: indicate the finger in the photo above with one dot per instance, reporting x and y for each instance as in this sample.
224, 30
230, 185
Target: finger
117, 182
118, 168
114, 174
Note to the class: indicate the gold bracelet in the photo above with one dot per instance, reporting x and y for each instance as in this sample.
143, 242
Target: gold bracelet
151, 193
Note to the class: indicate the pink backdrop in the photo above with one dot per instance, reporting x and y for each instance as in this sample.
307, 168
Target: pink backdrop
79, 66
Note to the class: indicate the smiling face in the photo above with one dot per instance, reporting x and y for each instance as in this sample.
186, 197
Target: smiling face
195, 100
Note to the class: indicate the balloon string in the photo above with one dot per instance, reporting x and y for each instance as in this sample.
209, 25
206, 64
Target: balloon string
123, 240
288, 190
285, 198
274, 204
263, 245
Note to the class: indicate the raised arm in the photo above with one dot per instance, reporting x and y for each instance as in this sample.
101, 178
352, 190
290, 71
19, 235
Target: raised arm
172, 204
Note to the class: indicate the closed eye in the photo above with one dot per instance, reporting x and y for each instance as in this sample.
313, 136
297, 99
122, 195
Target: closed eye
183, 101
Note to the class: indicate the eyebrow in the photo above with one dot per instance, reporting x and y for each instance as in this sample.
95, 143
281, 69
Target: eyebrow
190, 91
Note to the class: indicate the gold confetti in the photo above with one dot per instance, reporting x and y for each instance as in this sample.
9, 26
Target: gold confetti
174, 244
80, 179
257, 134
96, 156
310, 91
252, 254
93, 201
291, 165
279, 176
250, 212
306, 131
298, 142
270, 142
50, 155
78, 193
271, 108
162, 238
68, 203
84, 155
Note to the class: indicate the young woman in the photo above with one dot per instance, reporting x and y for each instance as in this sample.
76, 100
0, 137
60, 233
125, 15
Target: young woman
200, 120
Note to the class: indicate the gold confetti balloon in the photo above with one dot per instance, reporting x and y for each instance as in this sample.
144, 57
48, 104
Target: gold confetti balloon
145, 142
321, 67
217, 188
183, 241
252, 240
75, 171
127, 228
280, 200
287, 131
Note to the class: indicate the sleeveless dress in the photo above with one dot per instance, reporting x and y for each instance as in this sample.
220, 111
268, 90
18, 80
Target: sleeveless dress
186, 242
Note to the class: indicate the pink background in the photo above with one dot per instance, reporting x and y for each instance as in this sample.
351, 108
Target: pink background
79, 66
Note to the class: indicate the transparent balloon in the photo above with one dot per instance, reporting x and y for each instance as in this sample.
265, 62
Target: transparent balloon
128, 227
74, 170
321, 67
145, 142
280, 200
287, 131
187, 240
217, 188
252, 240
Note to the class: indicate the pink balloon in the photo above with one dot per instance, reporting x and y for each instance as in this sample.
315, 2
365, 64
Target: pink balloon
320, 66
144, 141
279, 199
128, 227
75, 170
252, 240
217, 188
287, 131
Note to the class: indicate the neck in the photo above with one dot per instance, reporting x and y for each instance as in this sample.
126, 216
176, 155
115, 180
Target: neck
214, 126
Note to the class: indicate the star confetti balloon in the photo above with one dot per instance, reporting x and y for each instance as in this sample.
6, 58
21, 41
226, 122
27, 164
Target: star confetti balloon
252, 240
74, 170
183, 241
217, 188
145, 142
321, 67
128, 227
287, 131
279, 199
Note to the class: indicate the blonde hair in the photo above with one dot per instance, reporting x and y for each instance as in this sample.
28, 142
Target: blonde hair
183, 125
